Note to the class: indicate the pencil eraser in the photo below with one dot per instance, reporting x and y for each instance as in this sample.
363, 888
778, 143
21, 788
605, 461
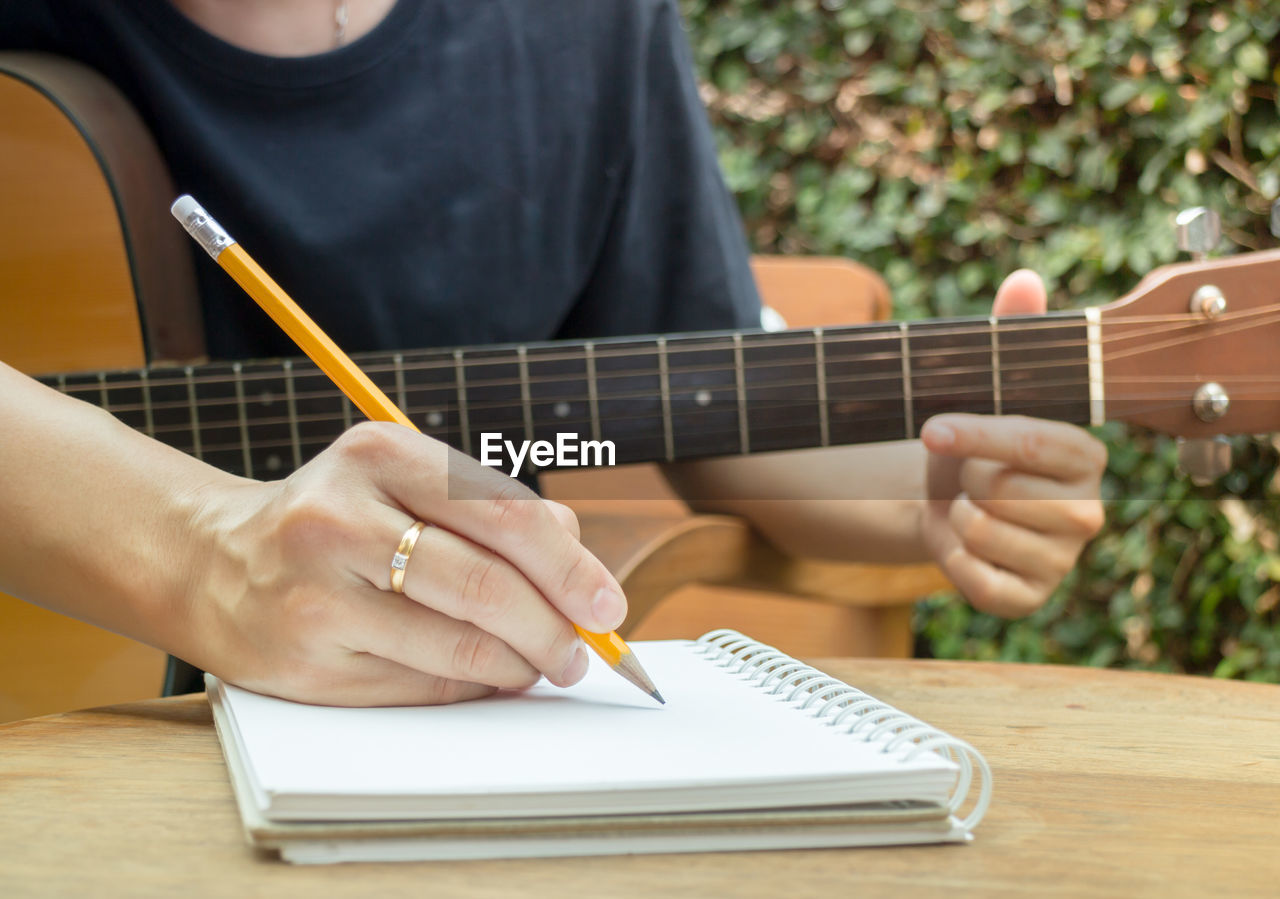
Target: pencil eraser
184, 206
200, 225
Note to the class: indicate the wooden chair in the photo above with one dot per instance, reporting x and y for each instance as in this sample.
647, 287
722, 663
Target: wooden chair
685, 574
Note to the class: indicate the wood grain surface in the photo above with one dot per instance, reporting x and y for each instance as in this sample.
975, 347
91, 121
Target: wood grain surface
1107, 784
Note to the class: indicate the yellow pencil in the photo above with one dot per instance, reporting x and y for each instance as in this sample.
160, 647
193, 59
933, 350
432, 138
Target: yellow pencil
366, 395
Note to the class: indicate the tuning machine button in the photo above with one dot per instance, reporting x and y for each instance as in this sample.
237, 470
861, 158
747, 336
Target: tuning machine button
1204, 460
1198, 231
1210, 401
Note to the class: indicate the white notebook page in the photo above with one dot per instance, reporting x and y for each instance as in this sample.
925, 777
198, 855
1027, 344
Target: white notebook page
718, 743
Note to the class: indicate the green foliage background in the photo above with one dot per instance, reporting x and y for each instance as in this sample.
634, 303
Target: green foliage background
947, 143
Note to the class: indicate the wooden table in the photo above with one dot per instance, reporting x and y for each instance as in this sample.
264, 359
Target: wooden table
1107, 783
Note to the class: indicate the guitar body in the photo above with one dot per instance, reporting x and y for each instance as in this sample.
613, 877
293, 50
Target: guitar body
82, 252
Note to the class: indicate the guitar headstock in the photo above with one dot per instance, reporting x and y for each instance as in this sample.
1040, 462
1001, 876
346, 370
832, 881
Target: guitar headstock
1194, 349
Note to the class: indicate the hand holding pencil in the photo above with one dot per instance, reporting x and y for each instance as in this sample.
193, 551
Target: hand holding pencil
507, 580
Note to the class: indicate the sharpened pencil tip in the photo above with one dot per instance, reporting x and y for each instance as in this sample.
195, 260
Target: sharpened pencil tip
629, 667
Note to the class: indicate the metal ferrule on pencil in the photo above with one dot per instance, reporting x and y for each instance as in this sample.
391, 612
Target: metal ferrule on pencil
200, 225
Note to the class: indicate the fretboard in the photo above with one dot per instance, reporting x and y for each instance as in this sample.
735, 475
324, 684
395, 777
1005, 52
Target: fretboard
656, 398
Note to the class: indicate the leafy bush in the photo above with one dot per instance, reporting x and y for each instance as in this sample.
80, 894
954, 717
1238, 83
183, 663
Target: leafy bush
947, 143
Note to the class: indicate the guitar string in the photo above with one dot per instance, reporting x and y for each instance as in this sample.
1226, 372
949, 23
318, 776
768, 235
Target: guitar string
179, 375
804, 383
717, 395
759, 410
1218, 332
675, 376
685, 394
700, 428
833, 337
93, 388
687, 438
832, 341
643, 395
726, 436
304, 368
161, 380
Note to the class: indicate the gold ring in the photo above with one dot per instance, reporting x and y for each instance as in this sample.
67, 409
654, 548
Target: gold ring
401, 558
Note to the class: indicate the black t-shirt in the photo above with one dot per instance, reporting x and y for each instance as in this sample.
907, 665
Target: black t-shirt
471, 171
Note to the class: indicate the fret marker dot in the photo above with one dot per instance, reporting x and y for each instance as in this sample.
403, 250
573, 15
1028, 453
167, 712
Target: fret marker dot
266, 398
561, 409
274, 463
434, 419
702, 397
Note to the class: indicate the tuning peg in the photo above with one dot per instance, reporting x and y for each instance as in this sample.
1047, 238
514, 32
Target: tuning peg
1198, 231
1275, 218
1204, 460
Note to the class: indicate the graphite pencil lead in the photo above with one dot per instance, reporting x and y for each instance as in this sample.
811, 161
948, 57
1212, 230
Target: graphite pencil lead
629, 667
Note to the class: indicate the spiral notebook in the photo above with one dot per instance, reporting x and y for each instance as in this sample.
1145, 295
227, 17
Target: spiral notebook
754, 750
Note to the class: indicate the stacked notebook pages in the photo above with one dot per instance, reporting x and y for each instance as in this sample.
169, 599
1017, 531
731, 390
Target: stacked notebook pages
754, 750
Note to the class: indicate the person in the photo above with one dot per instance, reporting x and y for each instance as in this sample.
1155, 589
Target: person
447, 172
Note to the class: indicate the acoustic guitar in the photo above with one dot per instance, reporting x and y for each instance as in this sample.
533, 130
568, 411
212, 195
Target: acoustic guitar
1186, 352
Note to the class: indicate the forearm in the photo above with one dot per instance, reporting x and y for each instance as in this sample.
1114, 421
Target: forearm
846, 503
94, 515
284, 587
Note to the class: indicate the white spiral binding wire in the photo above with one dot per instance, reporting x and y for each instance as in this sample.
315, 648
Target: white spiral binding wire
870, 719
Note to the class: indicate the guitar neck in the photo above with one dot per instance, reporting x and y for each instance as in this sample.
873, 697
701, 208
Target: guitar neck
655, 398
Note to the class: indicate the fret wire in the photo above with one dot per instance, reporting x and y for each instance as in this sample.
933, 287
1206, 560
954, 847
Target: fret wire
664, 386
195, 415
744, 437
460, 376
292, 406
104, 402
522, 358
62, 384
907, 402
820, 363
995, 368
148, 423
593, 394
399, 364
346, 412
247, 456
